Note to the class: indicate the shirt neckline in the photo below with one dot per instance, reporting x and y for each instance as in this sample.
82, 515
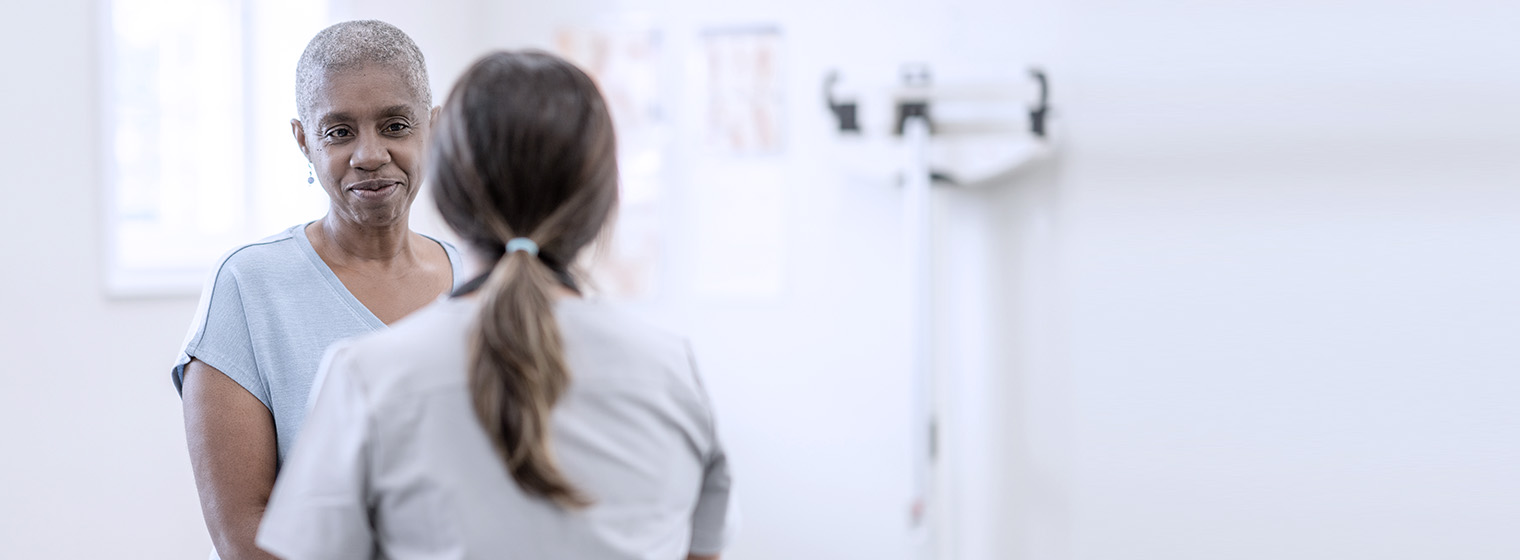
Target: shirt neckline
299, 233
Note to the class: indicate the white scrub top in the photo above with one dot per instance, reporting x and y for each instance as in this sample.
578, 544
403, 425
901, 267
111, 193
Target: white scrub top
392, 462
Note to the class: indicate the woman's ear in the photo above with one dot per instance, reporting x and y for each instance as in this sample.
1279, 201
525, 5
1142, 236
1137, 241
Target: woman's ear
433, 115
300, 133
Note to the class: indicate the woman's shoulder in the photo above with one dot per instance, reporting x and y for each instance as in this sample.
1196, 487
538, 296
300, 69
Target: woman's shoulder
620, 360
612, 324
605, 342
270, 257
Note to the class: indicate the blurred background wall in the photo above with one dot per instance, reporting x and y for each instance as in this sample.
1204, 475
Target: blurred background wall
1260, 302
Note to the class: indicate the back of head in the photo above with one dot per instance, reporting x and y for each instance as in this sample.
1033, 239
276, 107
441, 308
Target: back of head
354, 44
524, 152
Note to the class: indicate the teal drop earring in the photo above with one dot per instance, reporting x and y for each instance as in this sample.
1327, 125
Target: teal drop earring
310, 176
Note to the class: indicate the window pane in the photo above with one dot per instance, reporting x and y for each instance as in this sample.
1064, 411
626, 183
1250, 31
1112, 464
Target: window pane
176, 95
199, 95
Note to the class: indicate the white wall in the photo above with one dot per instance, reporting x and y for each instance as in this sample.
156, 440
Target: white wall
1289, 256
94, 462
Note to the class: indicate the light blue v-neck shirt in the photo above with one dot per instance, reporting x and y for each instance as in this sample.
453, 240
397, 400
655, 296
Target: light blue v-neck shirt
267, 316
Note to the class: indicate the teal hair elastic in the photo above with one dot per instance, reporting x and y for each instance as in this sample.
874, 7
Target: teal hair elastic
522, 244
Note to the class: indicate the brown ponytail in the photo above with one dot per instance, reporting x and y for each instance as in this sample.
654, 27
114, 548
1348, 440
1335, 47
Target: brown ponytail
524, 148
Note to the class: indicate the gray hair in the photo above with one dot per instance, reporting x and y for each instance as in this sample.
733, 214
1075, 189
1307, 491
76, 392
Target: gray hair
352, 44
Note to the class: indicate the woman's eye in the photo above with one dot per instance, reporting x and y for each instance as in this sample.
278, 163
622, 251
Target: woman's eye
396, 127
338, 133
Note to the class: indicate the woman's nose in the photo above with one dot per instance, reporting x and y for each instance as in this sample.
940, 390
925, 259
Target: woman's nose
371, 153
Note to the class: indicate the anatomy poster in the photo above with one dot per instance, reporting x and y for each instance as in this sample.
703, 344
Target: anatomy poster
743, 98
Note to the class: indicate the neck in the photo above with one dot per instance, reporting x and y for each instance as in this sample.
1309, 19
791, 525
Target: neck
362, 242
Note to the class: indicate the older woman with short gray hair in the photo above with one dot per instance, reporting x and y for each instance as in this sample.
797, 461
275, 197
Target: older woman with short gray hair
273, 307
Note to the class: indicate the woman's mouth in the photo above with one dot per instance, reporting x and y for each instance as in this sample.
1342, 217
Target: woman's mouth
374, 189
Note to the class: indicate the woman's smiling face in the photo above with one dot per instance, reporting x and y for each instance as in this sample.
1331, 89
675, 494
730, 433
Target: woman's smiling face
366, 143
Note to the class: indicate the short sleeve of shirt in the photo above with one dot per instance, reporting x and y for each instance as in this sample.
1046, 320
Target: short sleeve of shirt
219, 335
319, 508
712, 521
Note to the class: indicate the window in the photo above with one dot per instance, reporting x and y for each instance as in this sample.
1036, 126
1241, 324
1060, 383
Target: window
197, 98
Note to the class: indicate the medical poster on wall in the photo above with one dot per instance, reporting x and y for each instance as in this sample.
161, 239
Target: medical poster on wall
743, 102
625, 62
